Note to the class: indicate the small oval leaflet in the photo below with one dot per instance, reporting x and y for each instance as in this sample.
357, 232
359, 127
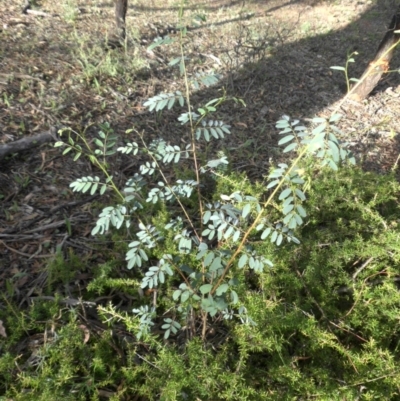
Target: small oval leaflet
285, 193
222, 289
242, 261
205, 288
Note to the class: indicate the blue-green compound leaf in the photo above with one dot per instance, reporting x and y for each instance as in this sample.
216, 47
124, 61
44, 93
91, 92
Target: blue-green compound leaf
234, 297
229, 232
299, 220
222, 289
185, 296
292, 223
246, 210
282, 124
236, 236
287, 209
94, 189
285, 139
288, 201
301, 211
300, 194
185, 245
174, 61
333, 165
205, 288
319, 129
266, 232
206, 217
208, 259
334, 151
290, 147
242, 261
273, 184
287, 218
336, 67
251, 262
277, 173
216, 264
285, 193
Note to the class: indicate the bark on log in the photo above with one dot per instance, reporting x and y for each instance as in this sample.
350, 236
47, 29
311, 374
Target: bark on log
380, 64
28, 142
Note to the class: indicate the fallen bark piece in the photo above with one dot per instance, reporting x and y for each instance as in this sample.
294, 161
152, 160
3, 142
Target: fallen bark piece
39, 13
380, 64
27, 10
28, 142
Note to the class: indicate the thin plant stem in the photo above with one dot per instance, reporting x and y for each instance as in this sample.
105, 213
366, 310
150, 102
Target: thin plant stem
256, 220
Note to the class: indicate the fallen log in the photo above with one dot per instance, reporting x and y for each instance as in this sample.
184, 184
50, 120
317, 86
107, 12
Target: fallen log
380, 64
28, 142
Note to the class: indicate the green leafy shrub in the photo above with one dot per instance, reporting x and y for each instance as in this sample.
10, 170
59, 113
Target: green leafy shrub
326, 319
326, 329
185, 233
282, 290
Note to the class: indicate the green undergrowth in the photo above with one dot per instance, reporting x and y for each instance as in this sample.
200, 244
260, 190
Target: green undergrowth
326, 319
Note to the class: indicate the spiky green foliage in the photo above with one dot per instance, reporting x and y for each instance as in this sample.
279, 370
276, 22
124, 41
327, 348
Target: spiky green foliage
286, 290
326, 317
197, 271
327, 312
63, 360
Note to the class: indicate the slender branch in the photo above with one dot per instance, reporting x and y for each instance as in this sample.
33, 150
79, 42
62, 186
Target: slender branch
256, 220
96, 162
170, 188
192, 127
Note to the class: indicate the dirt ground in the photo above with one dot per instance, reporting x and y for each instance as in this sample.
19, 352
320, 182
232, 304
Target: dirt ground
56, 72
